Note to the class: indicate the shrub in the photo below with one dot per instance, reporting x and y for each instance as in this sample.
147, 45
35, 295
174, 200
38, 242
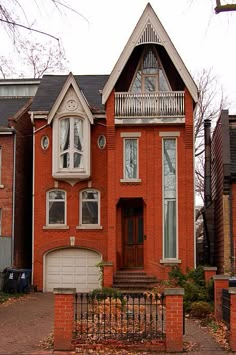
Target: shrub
200, 309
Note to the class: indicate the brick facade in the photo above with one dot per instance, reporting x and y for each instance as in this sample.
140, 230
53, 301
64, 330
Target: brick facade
106, 176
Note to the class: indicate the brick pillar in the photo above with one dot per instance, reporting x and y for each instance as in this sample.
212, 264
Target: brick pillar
220, 282
174, 319
209, 272
107, 274
232, 339
63, 317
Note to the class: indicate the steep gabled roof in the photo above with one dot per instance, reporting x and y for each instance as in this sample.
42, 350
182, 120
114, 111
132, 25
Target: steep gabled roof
51, 86
149, 30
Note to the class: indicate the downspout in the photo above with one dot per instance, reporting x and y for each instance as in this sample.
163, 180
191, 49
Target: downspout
33, 178
13, 198
208, 242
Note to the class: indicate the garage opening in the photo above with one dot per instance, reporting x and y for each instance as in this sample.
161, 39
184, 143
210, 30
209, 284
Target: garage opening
72, 268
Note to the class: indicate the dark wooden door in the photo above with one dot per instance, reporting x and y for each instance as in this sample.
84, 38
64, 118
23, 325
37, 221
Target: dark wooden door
133, 237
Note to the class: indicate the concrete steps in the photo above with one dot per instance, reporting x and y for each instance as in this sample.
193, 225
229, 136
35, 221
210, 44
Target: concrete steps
133, 280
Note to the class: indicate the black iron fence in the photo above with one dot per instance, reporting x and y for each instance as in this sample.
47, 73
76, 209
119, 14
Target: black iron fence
125, 317
226, 306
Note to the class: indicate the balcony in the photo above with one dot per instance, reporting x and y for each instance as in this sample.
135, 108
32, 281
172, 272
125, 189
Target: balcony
151, 107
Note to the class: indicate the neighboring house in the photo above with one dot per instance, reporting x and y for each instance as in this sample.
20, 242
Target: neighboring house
220, 193
114, 168
15, 182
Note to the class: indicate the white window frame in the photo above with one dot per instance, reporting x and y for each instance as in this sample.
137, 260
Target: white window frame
81, 200
1, 186
129, 136
170, 136
57, 225
71, 173
0, 222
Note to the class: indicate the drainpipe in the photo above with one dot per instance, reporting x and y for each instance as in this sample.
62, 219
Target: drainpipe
207, 185
33, 182
13, 198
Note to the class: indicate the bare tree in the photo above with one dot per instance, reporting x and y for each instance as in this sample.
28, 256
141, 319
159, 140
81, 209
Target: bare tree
211, 102
13, 15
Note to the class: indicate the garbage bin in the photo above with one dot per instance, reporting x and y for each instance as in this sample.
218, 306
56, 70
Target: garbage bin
10, 280
24, 280
232, 282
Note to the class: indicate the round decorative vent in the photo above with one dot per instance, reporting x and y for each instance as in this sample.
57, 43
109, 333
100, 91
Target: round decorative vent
101, 142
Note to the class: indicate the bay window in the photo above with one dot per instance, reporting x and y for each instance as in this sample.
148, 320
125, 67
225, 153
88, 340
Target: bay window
71, 148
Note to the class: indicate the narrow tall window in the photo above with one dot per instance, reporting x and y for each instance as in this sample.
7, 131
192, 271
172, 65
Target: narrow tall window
90, 207
130, 158
0, 221
56, 209
169, 188
0, 165
71, 143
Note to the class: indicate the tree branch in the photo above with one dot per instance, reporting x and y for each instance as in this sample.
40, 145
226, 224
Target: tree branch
224, 8
28, 28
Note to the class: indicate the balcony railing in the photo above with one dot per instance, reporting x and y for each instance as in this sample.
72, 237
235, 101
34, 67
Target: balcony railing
149, 105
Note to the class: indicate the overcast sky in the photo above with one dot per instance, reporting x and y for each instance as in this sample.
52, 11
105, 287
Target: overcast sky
92, 46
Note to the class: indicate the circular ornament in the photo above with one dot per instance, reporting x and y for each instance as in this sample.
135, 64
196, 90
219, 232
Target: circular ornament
71, 105
45, 142
101, 142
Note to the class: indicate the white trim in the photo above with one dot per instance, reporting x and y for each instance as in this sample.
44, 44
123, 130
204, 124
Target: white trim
1, 167
150, 121
176, 199
130, 134
169, 134
89, 226
56, 225
130, 181
125, 179
170, 261
70, 81
73, 173
149, 16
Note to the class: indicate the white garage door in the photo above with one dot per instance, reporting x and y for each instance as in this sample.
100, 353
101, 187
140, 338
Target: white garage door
72, 267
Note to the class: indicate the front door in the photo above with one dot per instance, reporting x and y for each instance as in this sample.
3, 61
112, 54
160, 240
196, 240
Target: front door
132, 237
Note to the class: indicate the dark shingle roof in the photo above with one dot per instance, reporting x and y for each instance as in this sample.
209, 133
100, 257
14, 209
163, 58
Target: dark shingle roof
9, 107
51, 85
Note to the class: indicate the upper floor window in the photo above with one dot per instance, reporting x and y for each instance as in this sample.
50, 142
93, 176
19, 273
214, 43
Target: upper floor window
89, 207
169, 198
71, 143
56, 207
130, 158
150, 75
71, 148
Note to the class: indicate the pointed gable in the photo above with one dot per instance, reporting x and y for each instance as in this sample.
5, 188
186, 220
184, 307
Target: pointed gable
70, 99
149, 30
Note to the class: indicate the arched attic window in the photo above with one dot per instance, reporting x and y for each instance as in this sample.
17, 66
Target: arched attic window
150, 75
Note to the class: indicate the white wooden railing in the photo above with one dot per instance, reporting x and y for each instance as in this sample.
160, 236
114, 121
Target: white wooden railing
147, 105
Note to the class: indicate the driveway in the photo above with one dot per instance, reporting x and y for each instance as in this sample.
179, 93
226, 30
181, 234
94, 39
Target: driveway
26, 322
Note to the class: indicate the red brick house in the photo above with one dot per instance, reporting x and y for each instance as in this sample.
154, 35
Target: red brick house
15, 180
114, 169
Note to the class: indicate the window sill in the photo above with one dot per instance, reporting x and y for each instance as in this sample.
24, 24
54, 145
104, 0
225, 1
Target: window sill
130, 181
89, 227
56, 226
170, 261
